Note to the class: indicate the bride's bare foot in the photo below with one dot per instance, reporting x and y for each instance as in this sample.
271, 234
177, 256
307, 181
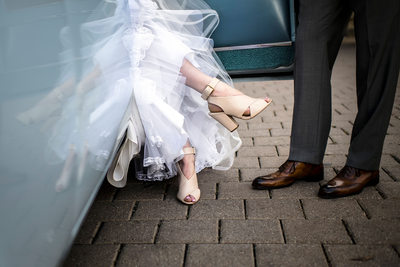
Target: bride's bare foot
188, 168
223, 89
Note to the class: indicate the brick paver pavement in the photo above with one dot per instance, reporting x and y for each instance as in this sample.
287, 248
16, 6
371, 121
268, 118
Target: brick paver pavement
233, 225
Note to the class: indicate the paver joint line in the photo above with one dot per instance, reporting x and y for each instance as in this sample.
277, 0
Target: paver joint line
389, 174
188, 212
380, 192
120, 247
245, 209
396, 250
157, 233
346, 226
135, 206
254, 255
326, 255
185, 254
302, 208
283, 231
219, 231
96, 235
363, 209
395, 158
144, 224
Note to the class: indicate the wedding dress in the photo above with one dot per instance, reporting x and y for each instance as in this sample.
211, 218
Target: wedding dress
134, 49
159, 35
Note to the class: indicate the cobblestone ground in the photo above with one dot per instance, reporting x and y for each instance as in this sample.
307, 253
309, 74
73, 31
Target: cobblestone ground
233, 225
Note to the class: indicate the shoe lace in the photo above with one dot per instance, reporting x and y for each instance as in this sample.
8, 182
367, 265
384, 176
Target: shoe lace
348, 171
288, 165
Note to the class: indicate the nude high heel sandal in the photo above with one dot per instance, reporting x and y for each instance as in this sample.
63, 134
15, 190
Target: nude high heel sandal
187, 186
232, 106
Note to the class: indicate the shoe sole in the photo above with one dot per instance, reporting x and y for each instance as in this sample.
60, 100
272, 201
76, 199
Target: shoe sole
332, 196
305, 179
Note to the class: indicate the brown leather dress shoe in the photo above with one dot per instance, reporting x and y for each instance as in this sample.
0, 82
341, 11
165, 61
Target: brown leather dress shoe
348, 181
288, 173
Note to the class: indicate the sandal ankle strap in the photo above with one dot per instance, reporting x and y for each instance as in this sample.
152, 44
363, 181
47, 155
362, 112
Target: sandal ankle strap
189, 150
209, 88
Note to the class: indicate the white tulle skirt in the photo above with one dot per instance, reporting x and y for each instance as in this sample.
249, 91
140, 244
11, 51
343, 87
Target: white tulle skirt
135, 49
159, 36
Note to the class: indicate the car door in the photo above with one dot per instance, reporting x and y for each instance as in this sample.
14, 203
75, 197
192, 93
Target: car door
255, 36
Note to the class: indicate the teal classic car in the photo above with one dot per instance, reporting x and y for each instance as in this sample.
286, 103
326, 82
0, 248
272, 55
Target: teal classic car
48, 181
255, 36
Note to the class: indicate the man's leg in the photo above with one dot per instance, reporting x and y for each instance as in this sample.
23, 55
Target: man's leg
377, 28
318, 39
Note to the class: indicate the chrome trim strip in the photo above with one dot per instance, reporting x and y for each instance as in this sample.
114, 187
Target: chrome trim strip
241, 47
281, 69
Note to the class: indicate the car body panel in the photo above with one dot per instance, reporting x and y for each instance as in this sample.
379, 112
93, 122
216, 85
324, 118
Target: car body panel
44, 198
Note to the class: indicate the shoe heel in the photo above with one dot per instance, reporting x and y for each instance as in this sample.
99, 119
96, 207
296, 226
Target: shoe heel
227, 121
373, 182
316, 178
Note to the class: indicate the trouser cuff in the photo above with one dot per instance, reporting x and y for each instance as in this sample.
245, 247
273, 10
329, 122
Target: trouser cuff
306, 156
366, 165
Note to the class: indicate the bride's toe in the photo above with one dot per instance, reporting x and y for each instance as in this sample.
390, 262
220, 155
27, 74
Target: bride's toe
190, 198
247, 111
188, 192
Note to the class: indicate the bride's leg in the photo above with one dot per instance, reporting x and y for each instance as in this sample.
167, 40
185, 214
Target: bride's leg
187, 162
187, 165
198, 81
53, 101
89, 81
49, 104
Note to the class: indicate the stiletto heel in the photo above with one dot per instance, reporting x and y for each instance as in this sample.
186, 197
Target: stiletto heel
187, 186
232, 106
225, 120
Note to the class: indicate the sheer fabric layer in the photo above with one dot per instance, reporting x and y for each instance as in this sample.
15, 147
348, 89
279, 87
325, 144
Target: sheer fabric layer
137, 48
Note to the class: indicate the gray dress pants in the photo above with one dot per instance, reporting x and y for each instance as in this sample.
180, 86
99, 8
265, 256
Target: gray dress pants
319, 35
